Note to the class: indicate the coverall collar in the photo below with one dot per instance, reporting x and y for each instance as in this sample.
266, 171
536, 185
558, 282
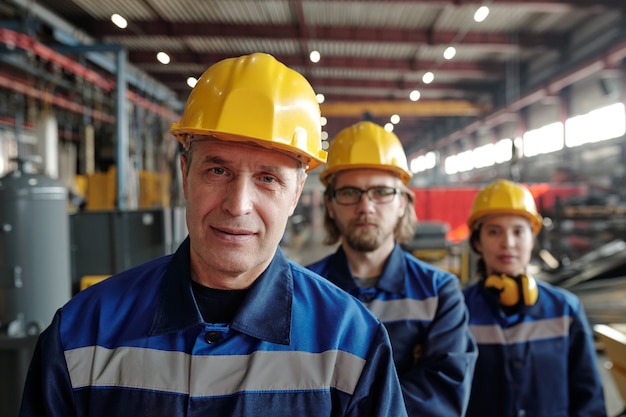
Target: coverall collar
391, 279
264, 314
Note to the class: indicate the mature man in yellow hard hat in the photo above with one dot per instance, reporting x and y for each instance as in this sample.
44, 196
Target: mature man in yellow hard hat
226, 326
536, 350
369, 209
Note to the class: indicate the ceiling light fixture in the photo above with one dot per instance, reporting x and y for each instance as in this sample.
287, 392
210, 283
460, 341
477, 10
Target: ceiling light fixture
415, 95
481, 14
315, 57
428, 77
119, 21
163, 58
449, 53
395, 119
191, 82
320, 98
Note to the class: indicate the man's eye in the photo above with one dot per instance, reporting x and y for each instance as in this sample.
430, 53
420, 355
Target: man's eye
383, 191
268, 179
346, 193
218, 171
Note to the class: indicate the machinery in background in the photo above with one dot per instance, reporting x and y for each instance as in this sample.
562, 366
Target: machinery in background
99, 192
109, 241
612, 338
106, 239
34, 250
585, 238
581, 224
431, 245
34, 269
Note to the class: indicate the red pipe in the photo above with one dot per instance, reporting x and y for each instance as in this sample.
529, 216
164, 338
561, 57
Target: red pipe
25, 42
47, 97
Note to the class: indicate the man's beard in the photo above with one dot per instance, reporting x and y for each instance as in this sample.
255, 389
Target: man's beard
364, 239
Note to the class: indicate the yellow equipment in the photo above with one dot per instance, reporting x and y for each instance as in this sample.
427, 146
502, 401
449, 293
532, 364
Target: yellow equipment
511, 292
89, 280
100, 191
366, 145
255, 98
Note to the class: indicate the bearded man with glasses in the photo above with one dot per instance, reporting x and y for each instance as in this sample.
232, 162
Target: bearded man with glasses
370, 210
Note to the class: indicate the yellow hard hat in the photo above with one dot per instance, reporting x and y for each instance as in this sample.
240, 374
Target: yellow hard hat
366, 145
505, 197
255, 98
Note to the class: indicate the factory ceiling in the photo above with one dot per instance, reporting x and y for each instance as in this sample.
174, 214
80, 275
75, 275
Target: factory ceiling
373, 54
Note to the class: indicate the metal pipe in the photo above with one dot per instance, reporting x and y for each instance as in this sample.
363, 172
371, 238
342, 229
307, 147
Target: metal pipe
71, 34
121, 128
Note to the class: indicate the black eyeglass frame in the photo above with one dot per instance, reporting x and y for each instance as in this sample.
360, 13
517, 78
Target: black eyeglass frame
393, 191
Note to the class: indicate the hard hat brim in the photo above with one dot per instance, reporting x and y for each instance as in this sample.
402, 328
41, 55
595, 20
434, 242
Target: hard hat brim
186, 136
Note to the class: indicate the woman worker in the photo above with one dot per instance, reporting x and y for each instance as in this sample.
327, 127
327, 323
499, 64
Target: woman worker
536, 351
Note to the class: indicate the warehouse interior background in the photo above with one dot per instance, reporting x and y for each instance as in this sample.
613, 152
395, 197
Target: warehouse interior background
532, 91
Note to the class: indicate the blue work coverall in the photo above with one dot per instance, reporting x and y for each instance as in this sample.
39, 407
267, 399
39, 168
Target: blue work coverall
422, 308
136, 345
538, 362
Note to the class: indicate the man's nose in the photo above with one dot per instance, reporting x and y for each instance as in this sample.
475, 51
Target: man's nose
238, 199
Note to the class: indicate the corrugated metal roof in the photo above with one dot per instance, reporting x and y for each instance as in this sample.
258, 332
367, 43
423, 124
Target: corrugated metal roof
225, 11
99, 9
369, 14
370, 50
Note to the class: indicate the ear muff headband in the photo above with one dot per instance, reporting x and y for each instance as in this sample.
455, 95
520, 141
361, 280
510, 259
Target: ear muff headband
512, 291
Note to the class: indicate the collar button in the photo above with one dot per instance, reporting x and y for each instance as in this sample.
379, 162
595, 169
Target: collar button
366, 297
213, 337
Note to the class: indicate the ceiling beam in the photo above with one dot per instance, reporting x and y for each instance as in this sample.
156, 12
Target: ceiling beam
553, 86
403, 108
401, 84
462, 69
327, 82
494, 41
